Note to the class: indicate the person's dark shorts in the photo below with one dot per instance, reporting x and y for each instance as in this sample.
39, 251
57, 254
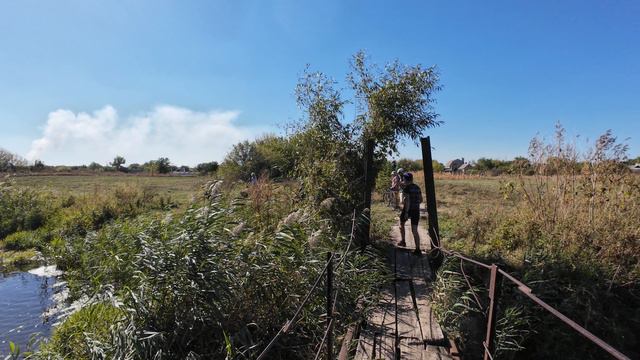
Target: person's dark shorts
414, 215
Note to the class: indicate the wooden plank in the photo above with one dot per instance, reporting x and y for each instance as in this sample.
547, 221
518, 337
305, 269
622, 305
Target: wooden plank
418, 330
432, 331
377, 337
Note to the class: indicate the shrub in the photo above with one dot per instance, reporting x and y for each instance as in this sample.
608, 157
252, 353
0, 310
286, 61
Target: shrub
22, 209
21, 240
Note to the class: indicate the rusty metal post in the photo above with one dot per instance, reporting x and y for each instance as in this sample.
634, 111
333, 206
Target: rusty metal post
329, 306
495, 282
368, 185
432, 209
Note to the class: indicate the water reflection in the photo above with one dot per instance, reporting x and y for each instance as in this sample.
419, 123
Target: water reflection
24, 298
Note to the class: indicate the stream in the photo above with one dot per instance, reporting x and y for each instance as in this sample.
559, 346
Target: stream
26, 300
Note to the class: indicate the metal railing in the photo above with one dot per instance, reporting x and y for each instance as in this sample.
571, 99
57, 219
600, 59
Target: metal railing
331, 300
495, 281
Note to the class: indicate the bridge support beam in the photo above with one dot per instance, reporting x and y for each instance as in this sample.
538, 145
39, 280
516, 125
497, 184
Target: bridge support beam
495, 282
432, 209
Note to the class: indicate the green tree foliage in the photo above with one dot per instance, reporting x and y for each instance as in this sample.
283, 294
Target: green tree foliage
410, 165
437, 166
95, 166
164, 165
38, 165
633, 161
207, 167
325, 152
135, 168
10, 161
161, 166
397, 102
271, 155
393, 104
518, 166
117, 162
329, 153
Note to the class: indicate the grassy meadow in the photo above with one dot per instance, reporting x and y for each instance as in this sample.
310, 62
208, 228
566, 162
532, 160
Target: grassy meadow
180, 188
573, 238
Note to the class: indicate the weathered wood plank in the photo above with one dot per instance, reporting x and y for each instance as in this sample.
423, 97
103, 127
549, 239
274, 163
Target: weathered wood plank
417, 328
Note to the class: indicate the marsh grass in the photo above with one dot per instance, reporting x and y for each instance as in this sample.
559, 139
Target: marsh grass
216, 280
571, 232
44, 221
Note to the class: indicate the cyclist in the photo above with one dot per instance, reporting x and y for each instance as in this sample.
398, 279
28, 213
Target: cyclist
410, 210
395, 189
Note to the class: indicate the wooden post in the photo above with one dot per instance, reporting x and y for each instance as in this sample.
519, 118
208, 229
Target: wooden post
494, 291
432, 209
329, 306
368, 185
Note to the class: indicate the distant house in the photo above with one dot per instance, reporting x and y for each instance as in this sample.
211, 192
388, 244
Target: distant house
457, 166
182, 171
465, 167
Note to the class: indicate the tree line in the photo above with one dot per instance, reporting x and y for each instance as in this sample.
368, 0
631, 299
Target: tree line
10, 162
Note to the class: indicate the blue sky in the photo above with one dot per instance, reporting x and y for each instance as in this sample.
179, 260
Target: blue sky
84, 80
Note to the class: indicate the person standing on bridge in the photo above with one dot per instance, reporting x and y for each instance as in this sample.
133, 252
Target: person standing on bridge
412, 198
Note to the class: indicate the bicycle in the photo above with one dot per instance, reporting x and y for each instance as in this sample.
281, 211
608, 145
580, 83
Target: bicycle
389, 198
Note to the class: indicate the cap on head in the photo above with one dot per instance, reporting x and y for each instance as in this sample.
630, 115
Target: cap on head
400, 170
408, 176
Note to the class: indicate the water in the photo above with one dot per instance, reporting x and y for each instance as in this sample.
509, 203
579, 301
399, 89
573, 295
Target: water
25, 298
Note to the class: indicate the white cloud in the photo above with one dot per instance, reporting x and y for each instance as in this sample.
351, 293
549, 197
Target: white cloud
182, 135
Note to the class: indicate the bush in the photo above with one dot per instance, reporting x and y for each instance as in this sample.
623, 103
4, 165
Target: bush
21, 240
22, 209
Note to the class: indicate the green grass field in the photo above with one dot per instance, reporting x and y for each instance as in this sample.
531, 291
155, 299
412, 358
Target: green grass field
179, 188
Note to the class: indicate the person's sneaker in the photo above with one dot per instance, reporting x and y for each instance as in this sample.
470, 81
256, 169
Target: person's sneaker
402, 244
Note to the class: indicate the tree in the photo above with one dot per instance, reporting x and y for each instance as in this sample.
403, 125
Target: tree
410, 165
151, 166
207, 167
437, 166
10, 161
38, 165
521, 165
392, 105
135, 167
163, 165
95, 166
117, 162
396, 103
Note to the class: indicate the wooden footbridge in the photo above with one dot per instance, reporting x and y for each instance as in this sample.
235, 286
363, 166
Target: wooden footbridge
403, 324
